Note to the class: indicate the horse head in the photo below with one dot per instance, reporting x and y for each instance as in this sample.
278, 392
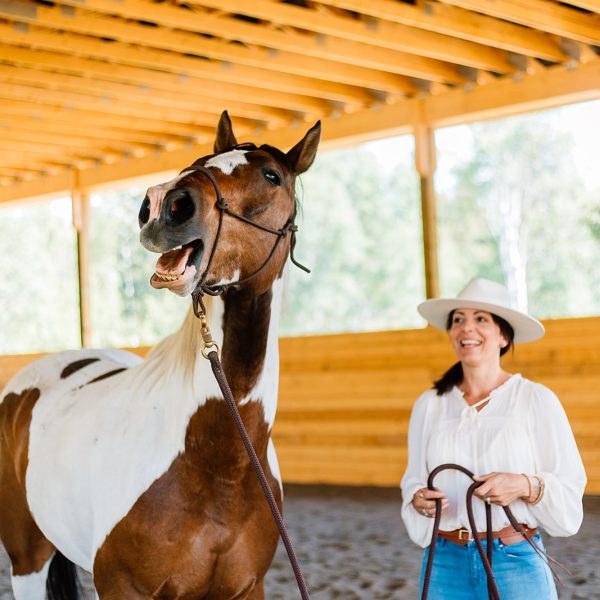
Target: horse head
222, 219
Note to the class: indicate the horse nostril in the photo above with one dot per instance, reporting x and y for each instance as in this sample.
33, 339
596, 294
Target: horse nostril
180, 207
144, 213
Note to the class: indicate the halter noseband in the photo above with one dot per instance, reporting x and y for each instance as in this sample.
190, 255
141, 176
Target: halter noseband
223, 208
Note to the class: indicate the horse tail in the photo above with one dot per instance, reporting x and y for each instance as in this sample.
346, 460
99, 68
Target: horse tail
62, 582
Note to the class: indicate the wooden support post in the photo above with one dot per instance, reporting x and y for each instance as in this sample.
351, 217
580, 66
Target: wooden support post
425, 165
81, 223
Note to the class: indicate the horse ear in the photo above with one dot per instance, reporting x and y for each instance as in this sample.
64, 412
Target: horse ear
225, 138
301, 156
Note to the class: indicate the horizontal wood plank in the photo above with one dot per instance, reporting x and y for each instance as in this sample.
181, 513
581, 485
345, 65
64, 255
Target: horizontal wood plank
345, 400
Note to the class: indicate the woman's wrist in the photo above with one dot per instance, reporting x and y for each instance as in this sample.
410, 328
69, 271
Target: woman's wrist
535, 489
528, 491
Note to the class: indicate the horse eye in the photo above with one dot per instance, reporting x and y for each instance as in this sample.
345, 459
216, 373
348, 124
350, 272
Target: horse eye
272, 177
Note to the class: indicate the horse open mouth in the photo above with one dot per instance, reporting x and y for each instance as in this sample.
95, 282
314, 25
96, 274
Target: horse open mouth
178, 268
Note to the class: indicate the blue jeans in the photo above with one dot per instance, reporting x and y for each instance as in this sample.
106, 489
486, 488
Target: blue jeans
458, 573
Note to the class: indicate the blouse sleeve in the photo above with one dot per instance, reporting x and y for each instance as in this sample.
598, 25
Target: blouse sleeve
418, 526
560, 511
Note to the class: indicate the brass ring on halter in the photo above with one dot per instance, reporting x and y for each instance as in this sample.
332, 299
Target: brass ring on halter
208, 346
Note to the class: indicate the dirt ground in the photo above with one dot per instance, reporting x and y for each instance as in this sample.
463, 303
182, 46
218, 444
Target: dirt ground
352, 545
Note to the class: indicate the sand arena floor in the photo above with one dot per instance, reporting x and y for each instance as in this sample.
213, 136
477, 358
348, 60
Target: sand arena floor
352, 545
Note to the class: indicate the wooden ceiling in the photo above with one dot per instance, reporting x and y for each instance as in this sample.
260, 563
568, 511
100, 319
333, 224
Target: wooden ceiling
86, 84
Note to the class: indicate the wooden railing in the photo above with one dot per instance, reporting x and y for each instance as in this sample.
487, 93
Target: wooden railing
345, 400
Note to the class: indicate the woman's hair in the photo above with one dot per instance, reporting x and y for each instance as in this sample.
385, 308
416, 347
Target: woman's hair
454, 375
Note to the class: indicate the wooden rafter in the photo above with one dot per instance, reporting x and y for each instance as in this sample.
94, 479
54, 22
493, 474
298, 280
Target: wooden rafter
109, 89
383, 34
545, 16
591, 5
457, 22
260, 106
340, 51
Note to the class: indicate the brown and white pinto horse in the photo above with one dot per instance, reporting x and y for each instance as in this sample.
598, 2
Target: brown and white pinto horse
134, 470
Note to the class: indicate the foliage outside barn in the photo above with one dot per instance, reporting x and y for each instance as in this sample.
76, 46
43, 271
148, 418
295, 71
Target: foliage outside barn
360, 233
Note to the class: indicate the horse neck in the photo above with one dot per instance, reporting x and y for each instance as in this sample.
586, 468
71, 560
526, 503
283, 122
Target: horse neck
245, 327
250, 342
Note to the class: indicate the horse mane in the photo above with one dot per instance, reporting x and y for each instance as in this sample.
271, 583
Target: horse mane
178, 352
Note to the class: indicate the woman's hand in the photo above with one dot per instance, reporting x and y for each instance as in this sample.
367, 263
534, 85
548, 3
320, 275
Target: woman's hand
424, 501
502, 488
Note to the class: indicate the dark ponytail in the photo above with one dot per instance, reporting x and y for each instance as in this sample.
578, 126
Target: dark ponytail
454, 375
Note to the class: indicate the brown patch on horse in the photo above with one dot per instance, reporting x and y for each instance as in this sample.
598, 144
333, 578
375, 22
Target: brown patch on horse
107, 375
25, 544
75, 366
203, 529
246, 327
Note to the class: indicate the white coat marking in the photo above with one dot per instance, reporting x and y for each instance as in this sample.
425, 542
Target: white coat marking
274, 464
267, 385
112, 439
156, 195
228, 161
32, 586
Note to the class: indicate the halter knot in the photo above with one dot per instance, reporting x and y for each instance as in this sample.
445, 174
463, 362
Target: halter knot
222, 204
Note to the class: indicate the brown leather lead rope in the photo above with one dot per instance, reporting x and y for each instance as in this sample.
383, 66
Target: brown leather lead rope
210, 352
222, 381
486, 559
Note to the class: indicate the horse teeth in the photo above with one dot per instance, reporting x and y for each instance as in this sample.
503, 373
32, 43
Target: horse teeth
167, 277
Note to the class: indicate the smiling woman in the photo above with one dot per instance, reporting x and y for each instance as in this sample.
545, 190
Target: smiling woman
511, 433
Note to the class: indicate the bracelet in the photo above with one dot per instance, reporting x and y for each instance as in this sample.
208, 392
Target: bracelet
528, 485
541, 492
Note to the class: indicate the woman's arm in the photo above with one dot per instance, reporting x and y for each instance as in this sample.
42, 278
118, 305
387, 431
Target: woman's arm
419, 526
560, 509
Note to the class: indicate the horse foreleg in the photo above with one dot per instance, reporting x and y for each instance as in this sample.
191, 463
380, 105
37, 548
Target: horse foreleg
29, 551
31, 586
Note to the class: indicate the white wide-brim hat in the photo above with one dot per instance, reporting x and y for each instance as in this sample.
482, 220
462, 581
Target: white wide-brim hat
486, 295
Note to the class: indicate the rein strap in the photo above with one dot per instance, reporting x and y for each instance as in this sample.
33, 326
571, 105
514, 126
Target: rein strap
486, 556
210, 352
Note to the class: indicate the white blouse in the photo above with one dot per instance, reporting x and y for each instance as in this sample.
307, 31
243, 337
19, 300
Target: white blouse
523, 429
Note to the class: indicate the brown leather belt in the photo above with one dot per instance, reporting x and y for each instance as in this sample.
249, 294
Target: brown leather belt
509, 535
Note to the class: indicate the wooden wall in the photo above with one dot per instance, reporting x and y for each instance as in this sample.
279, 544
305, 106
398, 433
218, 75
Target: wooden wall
345, 399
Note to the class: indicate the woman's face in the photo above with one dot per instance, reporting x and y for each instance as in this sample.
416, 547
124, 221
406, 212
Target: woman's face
476, 337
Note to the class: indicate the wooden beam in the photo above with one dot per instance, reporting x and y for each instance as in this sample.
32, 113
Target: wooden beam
44, 162
96, 130
384, 34
336, 86
148, 92
425, 163
340, 65
177, 111
376, 56
152, 78
539, 14
80, 202
591, 5
460, 23
73, 156
551, 87
69, 139
196, 126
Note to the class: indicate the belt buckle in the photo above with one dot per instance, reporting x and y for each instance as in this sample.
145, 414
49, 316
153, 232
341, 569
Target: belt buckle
467, 535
